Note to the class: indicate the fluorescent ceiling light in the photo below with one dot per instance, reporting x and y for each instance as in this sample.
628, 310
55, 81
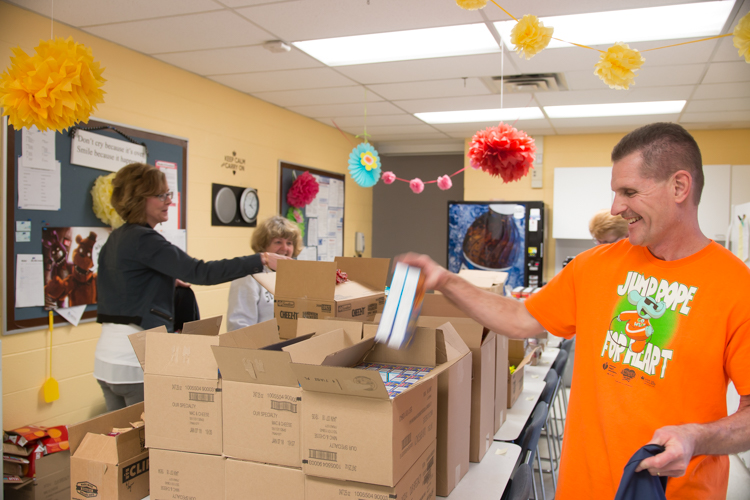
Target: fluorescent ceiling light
480, 115
402, 45
635, 25
615, 109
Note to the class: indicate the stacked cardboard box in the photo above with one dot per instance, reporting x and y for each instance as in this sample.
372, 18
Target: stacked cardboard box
304, 289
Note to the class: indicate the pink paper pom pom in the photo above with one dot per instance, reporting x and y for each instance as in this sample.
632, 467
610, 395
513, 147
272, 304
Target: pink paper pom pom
416, 185
303, 190
444, 182
502, 151
389, 177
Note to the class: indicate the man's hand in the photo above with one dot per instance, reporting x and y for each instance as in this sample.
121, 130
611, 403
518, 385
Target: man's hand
679, 443
435, 275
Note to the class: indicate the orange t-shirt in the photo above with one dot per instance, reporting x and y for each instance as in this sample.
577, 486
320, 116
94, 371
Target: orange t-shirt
693, 331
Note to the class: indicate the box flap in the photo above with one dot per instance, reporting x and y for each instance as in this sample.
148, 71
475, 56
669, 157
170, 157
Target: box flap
353, 329
255, 366
279, 346
138, 341
372, 273
305, 279
435, 304
350, 356
339, 380
484, 279
471, 332
253, 336
179, 355
208, 326
267, 281
421, 351
369, 330
354, 290
315, 350
455, 346
527, 359
99, 448
103, 424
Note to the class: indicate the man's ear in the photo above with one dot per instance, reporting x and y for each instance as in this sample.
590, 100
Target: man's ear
682, 183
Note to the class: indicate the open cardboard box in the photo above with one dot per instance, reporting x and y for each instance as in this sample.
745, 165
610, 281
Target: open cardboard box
417, 483
52, 480
112, 467
354, 431
517, 357
261, 396
305, 289
180, 475
438, 309
182, 389
491, 281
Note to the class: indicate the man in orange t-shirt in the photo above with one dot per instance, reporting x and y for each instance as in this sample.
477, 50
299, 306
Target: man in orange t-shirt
662, 324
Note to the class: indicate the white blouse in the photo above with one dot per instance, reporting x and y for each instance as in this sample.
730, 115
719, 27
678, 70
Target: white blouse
248, 304
115, 361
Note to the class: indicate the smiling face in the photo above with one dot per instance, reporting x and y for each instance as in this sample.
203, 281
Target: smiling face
281, 246
644, 203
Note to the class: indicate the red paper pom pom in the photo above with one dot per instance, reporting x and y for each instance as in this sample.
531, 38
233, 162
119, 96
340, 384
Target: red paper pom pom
389, 177
416, 185
502, 151
303, 190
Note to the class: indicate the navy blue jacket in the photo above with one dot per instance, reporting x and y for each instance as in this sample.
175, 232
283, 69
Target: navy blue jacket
137, 271
642, 485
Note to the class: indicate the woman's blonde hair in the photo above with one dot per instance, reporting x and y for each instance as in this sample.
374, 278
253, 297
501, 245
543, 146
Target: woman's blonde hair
604, 223
130, 188
276, 227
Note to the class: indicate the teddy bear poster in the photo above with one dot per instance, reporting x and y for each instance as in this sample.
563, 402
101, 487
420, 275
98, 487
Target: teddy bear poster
70, 264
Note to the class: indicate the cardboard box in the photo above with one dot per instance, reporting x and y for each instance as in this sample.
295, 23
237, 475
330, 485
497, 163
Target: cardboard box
418, 483
261, 396
52, 480
516, 357
341, 402
304, 289
255, 481
182, 389
501, 380
111, 467
491, 281
437, 308
187, 476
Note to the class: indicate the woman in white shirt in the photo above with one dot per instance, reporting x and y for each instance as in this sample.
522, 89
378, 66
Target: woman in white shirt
250, 303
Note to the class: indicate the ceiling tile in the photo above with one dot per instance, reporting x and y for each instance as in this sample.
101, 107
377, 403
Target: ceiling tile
654, 76
722, 90
723, 116
308, 20
553, 8
606, 95
456, 87
338, 110
469, 129
411, 137
183, 33
337, 95
727, 51
237, 60
89, 12
464, 103
377, 120
390, 130
441, 68
627, 122
715, 105
246, 3
284, 80
728, 72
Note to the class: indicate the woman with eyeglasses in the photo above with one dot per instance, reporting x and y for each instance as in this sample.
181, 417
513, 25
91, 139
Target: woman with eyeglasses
136, 279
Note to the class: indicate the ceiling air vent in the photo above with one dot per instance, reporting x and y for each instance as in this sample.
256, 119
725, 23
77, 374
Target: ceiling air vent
517, 84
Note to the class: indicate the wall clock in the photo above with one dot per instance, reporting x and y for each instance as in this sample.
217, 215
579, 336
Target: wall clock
234, 206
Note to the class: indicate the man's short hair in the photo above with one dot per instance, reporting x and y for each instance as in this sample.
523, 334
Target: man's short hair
665, 149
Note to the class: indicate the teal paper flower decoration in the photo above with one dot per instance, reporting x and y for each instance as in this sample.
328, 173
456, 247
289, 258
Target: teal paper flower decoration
364, 165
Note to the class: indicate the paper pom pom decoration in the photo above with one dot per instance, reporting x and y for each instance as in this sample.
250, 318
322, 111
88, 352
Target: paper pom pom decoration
530, 36
502, 151
295, 215
741, 37
471, 4
389, 177
102, 195
55, 89
617, 66
364, 165
303, 190
416, 185
444, 182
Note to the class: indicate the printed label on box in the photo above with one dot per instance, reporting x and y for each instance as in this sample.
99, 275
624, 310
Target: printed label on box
86, 489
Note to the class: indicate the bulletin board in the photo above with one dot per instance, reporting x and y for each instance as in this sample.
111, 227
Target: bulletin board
323, 237
75, 205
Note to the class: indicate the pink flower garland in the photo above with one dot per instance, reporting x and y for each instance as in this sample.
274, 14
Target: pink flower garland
503, 151
416, 185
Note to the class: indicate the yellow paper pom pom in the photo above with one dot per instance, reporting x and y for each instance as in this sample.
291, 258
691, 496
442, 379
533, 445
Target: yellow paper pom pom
471, 4
530, 36
56, 88
618, 65
102, 195
742, 37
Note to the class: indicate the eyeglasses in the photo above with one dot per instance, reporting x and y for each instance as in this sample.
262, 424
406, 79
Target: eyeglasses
163, 197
